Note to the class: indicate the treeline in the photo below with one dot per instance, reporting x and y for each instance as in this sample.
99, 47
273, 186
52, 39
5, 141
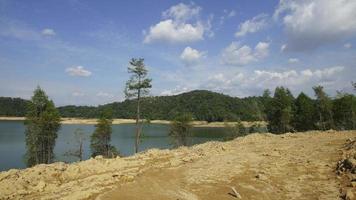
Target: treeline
203, 105
285, 113
15, 107
282, 110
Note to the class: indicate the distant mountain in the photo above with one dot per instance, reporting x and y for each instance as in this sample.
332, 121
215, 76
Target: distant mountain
204, 105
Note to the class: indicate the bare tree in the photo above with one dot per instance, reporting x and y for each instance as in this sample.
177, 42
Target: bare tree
79, 139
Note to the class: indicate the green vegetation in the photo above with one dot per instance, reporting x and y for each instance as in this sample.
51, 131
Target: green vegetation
136, 87
180, 129
237, 130
282, 111
100, 139
15, 107
42, 123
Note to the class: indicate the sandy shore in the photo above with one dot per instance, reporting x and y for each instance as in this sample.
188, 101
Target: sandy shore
130, 121
259, 166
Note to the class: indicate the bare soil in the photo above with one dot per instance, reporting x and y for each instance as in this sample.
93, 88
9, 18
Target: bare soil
259, 166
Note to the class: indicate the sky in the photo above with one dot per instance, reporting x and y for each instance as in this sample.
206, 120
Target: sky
78, 51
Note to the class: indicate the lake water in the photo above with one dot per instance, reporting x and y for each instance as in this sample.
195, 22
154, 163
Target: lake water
12, 140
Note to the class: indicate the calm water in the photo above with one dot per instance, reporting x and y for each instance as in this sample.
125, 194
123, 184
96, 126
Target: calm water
12, 140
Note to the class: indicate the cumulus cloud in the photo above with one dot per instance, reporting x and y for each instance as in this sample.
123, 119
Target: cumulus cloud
310, 24
172, 32
293, 60
78, 71
180, 24
235, 54
182, 12
48, 32
252, 25
292, 77
191, 56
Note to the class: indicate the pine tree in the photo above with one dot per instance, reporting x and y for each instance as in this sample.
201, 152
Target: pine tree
180, 129
136, 87
324, 109
42, 123
101, 138
304, 118
280, 111
344, 109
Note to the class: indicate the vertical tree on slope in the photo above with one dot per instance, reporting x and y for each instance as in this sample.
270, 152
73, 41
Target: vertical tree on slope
136, 87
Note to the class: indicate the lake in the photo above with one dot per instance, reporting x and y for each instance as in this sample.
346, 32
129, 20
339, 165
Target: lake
12, 140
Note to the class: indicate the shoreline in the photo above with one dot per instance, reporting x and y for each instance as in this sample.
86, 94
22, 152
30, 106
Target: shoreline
132, 121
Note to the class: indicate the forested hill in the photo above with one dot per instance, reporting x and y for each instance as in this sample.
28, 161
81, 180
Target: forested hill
15, 107
204, 105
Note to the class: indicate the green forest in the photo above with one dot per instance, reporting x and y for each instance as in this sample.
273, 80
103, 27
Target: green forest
281, 109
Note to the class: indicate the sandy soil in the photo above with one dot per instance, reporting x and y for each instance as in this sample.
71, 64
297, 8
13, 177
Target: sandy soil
259, 166
130, 121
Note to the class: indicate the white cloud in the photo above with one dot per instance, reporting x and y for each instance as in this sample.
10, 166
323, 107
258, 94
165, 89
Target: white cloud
178, 90
252, 25
310, 24
227, 15
48, 32
182, 12
347, 45
293, 60
293, 78
191, 56
172, 32
235, 54
78, 71
104, 94
180, 24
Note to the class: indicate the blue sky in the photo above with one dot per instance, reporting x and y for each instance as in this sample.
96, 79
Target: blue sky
78, 51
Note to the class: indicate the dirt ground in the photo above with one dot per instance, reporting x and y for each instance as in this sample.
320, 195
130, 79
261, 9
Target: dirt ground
258, 166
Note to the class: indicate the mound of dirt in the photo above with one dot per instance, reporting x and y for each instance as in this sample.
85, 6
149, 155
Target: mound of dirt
346, 169
258, 166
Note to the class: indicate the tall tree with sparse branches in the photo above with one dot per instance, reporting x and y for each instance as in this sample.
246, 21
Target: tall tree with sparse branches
136, 87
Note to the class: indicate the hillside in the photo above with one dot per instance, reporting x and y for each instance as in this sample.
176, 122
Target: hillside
259, 166
204, 105
15, 107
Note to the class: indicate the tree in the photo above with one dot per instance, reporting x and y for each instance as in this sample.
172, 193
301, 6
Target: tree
344, 107
235, 130
180, 129
100, 139
304, 118
324, 109
42, 123
79, 139
280, 111
137, 86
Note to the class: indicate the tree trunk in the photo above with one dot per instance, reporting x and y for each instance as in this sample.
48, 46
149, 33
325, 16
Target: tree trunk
138, 132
